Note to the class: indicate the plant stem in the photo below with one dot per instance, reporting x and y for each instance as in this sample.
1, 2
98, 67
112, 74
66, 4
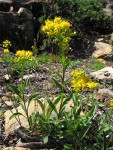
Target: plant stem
63, 79
35, 67
105, 146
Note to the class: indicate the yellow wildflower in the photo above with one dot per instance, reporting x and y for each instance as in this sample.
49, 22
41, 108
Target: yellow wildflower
92, 85
0, 58
57, 20
6, 44
58, 25
59, 29
74, 33
33, 47
24, 54
81, 82
76, 85
77, 73
6, 51
111, 102
101, 60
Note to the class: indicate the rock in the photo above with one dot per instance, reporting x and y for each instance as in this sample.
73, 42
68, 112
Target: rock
20, 25
105, 93
111, 37
17, 22
107, 11
39, 76
12, 125
6, 1
5, 98
20, 2
25, 13
102, 49
26, 2
105, 74
100, 40
14, 148
1, 147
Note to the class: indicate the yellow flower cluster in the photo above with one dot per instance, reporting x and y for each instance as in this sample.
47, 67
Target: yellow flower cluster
111, 102
6, 44
60, 30
56, 26
77, 73
6, 51
101, 60
81, 82
23, 55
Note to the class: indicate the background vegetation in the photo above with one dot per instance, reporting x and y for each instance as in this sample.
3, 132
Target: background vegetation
86, 16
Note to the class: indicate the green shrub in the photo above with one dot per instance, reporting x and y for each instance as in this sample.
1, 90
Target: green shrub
87, 12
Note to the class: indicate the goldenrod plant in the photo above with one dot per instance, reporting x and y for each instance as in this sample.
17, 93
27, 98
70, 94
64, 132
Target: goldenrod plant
8, 59
65, 121
61, 33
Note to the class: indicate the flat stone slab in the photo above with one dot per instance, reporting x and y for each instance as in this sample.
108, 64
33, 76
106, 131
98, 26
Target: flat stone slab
12, 125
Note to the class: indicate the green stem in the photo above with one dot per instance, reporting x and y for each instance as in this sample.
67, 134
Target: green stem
63, 78
60, 108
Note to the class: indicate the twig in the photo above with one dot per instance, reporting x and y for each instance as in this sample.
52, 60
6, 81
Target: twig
26, 137
35, 145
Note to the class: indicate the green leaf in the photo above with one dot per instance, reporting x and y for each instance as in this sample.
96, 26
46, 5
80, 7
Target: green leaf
15, 90
45, 139
57, 84
66, 81
33, 119
110, 148
59, 74
68, 147
33, 96
77, 114
101, 104
56, 101
86, 122
23, 106
21, 88
14, 115
52, 107
41, 104
49, 111
23, 129
91, 113
107, 127
1, 113
66, 100
84, 131
63, 60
